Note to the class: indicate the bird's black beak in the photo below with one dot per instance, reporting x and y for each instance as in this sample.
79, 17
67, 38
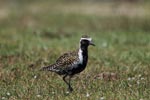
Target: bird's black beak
91, 43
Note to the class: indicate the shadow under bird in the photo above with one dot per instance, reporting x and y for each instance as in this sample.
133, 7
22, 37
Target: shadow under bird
72, 63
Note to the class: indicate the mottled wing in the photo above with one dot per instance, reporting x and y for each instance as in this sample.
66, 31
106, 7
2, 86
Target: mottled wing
67, 60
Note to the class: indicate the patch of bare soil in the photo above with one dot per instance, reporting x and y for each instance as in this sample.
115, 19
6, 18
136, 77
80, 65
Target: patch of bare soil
109, 76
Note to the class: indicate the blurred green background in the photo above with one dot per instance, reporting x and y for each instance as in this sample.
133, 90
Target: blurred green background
64, 18
75, 15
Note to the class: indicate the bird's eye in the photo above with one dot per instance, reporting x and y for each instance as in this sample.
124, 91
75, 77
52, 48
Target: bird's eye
84, 42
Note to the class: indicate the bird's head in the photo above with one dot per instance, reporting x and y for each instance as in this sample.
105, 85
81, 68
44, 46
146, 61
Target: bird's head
86, 41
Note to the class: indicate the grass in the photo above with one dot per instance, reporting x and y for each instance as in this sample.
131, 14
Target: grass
31, 40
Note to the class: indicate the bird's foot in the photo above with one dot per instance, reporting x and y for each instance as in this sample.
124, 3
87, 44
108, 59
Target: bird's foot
70, 89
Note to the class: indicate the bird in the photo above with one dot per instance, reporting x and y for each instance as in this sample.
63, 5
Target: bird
71, 63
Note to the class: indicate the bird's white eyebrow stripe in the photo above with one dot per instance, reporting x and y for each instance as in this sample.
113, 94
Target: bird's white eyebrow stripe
89, 39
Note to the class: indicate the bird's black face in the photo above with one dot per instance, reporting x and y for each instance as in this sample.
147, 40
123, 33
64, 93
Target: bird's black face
86, 43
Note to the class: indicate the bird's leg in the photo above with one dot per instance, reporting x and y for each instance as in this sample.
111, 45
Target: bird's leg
69, 86
64, 78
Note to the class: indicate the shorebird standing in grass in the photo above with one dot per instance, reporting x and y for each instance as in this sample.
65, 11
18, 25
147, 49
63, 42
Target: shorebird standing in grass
72, 63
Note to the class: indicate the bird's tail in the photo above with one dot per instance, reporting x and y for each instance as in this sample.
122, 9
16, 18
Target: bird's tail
49, 68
